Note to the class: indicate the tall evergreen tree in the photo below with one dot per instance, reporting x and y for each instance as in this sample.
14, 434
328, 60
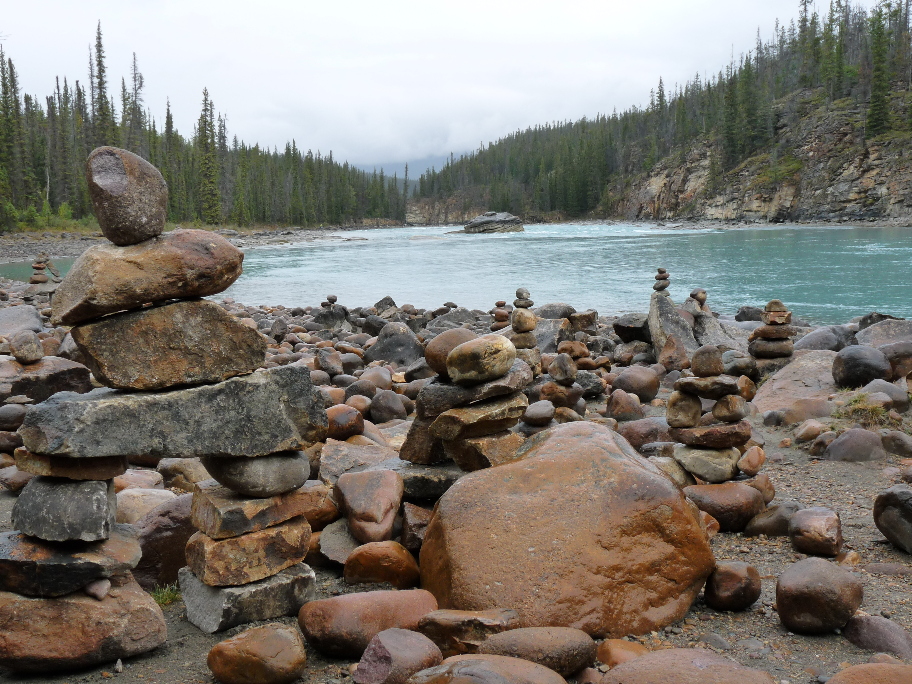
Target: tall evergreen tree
878, 106
210, 199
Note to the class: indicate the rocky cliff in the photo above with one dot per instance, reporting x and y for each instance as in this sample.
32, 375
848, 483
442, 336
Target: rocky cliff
819, 167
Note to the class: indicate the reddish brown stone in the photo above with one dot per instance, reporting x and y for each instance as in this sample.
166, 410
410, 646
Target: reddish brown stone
414, 526
343, 626
684, 666
462, 631
815, 596
384, 561
674, 354
394, 655
182, 263
439, 348
250, 557
487, 668
733, 504
491, 540
873, 673
732, 586
816, 531
714, 436
562, 649
370, 499
40, 380
163, 535
484, 452
613, 652
76, 631
271, 654
103, 468
752, 461
344, 422
479, 419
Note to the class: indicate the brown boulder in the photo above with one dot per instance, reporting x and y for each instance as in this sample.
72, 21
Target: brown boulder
76, 631
40, 380
491, 540
480, 419
684, 666
488, 669
733, 504
344, 421
179, 264
638, 380
184, 343
720, 436
873, 673
383, 561
613, 652
481, 359
562, 649
343, 626
732, 586
816, 531
644, 431
809, 375
484, 452
271, 654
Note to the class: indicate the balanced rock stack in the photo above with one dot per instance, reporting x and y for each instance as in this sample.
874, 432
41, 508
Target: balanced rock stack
662, 280
501, 316
708, 445
772, 340
465, 413
180, 383
523, 323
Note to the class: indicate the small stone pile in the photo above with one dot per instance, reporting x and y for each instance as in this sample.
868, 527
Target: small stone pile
465, 413
501, 316
662, 280
179, 383
708, 446
523, 322
772, 340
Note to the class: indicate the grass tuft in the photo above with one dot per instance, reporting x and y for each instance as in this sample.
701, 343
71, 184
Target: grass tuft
166, 595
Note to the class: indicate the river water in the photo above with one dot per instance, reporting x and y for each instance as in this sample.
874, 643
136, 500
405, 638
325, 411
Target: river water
824, 274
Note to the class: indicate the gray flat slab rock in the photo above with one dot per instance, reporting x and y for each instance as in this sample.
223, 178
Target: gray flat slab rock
213, 609
252, 415
16, 318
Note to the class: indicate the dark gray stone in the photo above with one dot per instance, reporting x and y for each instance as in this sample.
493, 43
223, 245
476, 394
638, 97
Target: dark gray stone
397, 344
254, 415
554, 310
591, 383
436, 397
898, 396
738, 363
856, 445
213, 609
422, 482
495, 222
774, 521
56, 509
664, 320
632, 327
748, 313
857, 365
876, 633
14, 319
40, 380
893, 516
833, 337
163, 533
263, 476
33, 567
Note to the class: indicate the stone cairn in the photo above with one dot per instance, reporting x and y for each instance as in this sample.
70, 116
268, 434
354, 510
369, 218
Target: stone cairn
179, 382
708, 445
523, 323
772, 340
662, 280
466, 412
501, 316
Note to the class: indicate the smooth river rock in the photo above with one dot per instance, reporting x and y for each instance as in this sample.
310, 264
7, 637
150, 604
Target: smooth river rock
180, 264
184, 343
263, 476
252, 415
491, 542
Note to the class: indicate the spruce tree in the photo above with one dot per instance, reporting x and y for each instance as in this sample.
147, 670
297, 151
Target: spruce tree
210, 200
878, 106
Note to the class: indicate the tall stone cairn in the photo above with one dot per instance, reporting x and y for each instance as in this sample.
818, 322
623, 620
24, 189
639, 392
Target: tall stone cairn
523, 322
772, 340
179, 381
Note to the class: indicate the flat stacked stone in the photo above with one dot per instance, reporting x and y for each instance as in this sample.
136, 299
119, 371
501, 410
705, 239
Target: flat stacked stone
466, 412
501, 316
523, 323
772, 340
708, 447
245, 562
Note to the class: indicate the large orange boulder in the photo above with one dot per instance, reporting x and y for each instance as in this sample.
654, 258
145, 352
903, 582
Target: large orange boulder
582, 532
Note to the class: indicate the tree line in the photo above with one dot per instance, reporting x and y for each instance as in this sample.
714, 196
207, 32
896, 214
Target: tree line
585, 166
212, 179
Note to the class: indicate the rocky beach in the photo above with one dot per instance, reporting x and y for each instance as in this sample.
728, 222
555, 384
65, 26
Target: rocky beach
381, 493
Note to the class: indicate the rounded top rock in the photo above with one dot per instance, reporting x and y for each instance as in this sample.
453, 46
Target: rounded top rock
479, 360
129, 195
775, 305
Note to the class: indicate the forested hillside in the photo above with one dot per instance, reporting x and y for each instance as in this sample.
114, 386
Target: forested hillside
735, 132
212, 177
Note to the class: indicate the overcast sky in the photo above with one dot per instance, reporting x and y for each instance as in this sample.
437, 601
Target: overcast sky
379, 82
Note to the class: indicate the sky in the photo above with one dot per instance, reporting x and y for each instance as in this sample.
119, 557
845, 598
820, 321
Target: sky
380, 83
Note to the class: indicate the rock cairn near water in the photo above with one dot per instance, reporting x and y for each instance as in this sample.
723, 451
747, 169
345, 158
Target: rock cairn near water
523, 322
501, 316
662, 280
708, 447
772, 340
179, 382
466, 412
